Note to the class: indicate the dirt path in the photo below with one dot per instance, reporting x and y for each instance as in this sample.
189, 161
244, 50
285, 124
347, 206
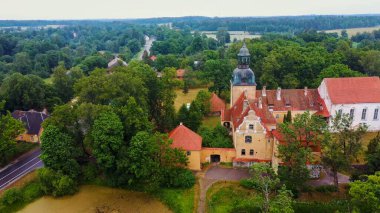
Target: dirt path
214, 174
328, 179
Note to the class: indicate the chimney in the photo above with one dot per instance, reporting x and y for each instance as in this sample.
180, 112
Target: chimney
264, 91
260, 103
278, 94
305, 91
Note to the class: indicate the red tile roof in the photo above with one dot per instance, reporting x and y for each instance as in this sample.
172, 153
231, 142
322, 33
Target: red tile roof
184, 138
153, 57
181, 73
353, 90
217, 104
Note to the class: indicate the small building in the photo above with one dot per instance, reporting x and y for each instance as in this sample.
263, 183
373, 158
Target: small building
190, 142
32, 121
180, 74
217, 105
153, 58
116, 62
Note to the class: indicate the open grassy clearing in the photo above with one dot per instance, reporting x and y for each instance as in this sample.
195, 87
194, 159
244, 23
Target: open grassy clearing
353, 31
183, 98
211, 121
178, 200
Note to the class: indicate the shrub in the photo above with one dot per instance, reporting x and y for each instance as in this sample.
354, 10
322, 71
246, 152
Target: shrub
89, 172
32, 191
11, 196
56, 184
319, 207
179, 178
326, 188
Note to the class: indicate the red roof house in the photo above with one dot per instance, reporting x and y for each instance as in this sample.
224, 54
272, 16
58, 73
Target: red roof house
353, 90
216, 104
184, 138
180, 73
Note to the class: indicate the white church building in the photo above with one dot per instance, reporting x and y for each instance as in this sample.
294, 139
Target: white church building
357, 96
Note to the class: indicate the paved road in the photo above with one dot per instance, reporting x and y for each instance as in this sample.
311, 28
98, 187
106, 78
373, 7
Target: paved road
328, 179
20, 167
147, 46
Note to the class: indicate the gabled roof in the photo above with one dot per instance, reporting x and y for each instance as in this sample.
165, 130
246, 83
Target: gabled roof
353, 90
216, 104
116, 62
153, 57
184, 138
31, 119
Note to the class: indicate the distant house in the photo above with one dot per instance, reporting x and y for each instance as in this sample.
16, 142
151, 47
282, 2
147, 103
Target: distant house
153, 58
217, 105
32, 121
190, 142
180, 74
116, 62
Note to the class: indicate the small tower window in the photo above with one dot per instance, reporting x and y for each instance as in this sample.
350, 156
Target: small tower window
251, 152
248, 139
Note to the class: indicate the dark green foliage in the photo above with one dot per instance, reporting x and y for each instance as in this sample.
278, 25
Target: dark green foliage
179, 178
365, 195
326, 188
217, 137
56, 184
27, 92
10, 128
11, 196
373, 154
288, 117
319, 207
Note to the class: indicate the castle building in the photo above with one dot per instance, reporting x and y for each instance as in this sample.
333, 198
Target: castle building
254, 115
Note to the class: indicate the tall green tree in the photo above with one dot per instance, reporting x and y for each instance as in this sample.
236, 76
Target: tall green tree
373, 154
343, 146
305, 131
365, 194
107, 139
10, 128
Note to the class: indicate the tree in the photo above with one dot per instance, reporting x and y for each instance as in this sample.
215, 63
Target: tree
107, 139
373, 154
10, 128
22, 63
365, 194
63, 81
59, 152
343, 146
266, 181
288, 117
217, 137
305, 131
344, 34
336, 71
219, 72
371, 62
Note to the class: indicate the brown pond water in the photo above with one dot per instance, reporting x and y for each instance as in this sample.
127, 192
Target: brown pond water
98, 199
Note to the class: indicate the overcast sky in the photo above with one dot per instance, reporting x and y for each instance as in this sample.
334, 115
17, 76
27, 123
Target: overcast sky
97, 9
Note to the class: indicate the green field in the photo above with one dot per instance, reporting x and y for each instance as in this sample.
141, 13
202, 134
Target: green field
239, 35
185, 98
353, 31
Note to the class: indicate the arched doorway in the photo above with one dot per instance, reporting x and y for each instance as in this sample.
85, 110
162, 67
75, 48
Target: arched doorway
215, 158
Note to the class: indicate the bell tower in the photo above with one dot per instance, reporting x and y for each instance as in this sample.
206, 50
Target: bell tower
243, 78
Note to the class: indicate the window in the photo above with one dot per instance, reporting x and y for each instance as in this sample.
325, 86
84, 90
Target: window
243, 152
340, 112
352, 111
188, 153
251, 152
251, 126
376, 114
248, 139
364, 113
278, 116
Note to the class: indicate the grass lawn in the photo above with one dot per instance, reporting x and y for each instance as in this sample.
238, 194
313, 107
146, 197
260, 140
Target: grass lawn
48, 80
212, 121
185, 98
226, 196
178, 200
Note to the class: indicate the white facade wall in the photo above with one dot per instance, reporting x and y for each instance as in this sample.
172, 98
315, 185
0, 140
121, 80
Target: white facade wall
373, 124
